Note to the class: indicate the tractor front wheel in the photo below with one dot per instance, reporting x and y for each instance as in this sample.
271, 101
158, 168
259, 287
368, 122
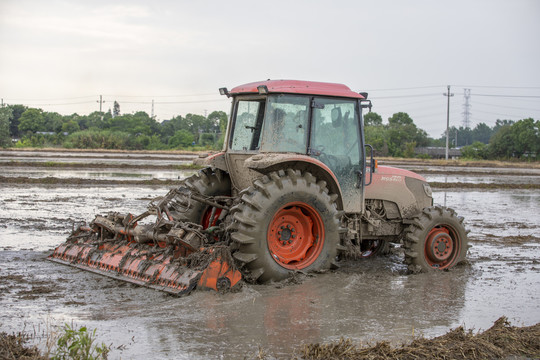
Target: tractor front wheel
436, 240
285, 222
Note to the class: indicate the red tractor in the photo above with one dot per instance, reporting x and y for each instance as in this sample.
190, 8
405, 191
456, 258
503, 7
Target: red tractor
294, 188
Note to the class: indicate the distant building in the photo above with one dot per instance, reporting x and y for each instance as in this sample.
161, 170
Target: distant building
438, 152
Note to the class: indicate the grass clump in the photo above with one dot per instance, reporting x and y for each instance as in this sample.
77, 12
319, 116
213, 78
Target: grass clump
79, 345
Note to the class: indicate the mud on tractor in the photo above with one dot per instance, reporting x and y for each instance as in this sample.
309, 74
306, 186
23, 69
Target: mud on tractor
294, 189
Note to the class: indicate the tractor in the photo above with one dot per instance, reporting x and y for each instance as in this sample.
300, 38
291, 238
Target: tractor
295, 188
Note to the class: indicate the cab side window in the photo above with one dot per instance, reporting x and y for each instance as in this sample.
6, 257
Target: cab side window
248, 125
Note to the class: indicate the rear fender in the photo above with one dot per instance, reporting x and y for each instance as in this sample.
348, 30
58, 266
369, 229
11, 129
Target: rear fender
266, 163
212, 160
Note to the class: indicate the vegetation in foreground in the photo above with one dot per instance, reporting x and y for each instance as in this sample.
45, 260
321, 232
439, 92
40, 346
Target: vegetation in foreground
70, 344
501, 341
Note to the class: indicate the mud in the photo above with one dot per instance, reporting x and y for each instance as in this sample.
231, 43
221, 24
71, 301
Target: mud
367, 301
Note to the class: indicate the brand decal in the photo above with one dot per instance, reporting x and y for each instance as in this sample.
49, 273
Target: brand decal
393, 178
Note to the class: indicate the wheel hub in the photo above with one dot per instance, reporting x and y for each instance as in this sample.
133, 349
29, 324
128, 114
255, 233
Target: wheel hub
286, 234
439, 245
293, 236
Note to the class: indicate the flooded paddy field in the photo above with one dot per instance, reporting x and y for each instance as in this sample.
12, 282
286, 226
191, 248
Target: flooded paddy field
371, 299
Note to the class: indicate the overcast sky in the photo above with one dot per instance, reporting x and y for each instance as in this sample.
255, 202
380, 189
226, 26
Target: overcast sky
61, 55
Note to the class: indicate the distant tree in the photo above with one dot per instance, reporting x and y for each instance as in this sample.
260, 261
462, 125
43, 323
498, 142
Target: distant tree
218, 121
402, 135
70, 126
53, 122
482, 133
181, 139
17, 110
5, 115
464, 136
501, 144
92, 121
500, 123
32, 121
197, 124
400, 119
137, 124
477, 150
526, 138
207, 139
372, 119
376, 137
116, 109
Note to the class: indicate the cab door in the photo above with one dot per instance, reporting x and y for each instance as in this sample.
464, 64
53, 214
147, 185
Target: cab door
335, 139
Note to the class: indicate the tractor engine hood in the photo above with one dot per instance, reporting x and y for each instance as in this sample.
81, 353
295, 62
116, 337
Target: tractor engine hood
406, 189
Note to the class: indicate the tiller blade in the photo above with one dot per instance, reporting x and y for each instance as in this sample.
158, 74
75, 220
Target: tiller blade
167, 255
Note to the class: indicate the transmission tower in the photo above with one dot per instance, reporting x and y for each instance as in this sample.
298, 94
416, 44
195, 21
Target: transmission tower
466, 109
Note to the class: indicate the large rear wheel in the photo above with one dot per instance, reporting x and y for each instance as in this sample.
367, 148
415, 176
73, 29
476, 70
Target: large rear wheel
436, 240
286, 221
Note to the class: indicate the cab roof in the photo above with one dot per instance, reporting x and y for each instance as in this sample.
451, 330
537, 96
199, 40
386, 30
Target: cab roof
298, 87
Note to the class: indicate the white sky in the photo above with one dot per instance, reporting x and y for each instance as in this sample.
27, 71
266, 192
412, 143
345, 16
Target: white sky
61, 55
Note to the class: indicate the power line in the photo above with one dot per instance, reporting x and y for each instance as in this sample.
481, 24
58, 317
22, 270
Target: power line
174, 102
510, 96
498, 87
403, 96
51, 99
60, 104
408, 88
506, 106
500, 114
162, 96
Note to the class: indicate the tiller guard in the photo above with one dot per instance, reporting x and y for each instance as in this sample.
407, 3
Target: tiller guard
167, 255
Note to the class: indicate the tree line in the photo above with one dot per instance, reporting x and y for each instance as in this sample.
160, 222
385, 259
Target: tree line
110, 130
138, 131
505, 140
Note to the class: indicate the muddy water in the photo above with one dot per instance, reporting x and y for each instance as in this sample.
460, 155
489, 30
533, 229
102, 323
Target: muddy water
367, 300
96, 157
97, 174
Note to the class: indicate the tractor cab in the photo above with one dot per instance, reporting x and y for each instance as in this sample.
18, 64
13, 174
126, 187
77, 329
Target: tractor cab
316, 125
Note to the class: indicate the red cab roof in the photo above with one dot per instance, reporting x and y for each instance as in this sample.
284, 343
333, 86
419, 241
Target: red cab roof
298, 87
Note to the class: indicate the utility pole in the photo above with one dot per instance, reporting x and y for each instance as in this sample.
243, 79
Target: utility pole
466, 107
152, 109
100, 101
448, 95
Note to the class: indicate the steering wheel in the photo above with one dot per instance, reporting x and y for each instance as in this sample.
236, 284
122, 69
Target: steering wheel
330, 160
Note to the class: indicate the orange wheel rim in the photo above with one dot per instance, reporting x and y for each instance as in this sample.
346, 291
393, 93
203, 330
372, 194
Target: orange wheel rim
296, 236
209, 219
441, 247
